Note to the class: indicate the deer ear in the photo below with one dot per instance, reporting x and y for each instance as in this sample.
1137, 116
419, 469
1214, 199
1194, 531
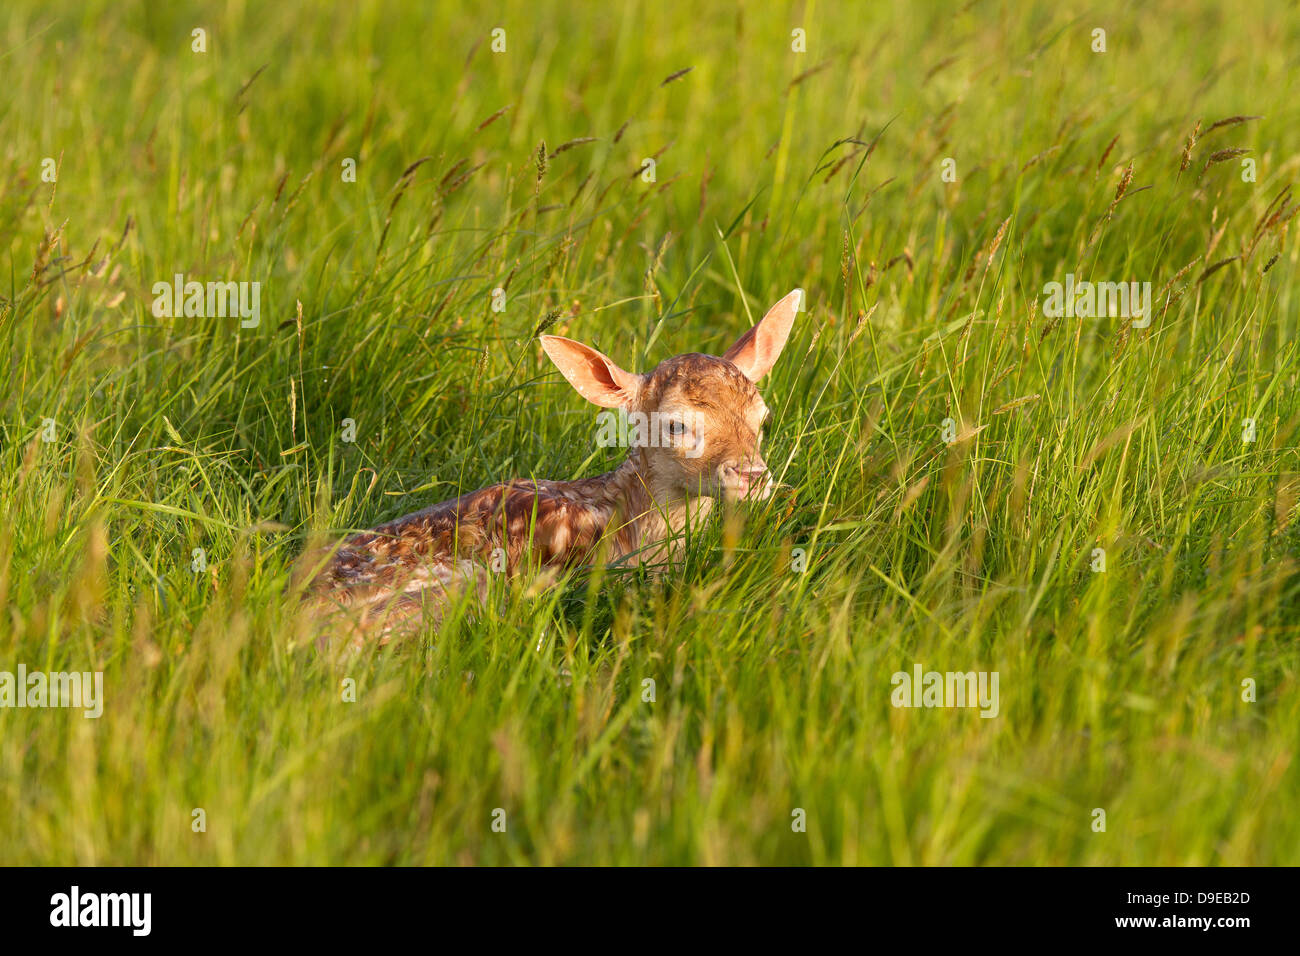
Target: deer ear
757, 350
595, 376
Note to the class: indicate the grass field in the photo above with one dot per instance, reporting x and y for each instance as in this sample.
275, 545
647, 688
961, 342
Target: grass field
960, 464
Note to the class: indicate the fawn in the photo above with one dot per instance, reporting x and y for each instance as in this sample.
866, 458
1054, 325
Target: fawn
402, 574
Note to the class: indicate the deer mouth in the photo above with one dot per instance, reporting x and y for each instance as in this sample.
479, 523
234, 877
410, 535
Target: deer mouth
748, 485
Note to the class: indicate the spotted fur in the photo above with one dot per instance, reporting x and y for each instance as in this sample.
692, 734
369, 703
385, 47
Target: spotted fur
401, 575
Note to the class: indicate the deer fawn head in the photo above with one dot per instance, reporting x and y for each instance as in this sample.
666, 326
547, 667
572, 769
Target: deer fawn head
704, 414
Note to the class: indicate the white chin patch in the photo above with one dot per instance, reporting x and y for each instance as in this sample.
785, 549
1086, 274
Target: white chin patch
755, 492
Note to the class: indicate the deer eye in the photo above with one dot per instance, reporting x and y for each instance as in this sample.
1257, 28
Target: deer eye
676, 428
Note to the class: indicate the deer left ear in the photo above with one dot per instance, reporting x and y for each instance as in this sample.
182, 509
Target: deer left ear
757, 350
592, 373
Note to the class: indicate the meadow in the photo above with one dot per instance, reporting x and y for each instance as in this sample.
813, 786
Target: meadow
1103, 510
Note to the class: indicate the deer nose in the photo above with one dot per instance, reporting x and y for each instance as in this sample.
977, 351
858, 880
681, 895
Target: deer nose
751, 477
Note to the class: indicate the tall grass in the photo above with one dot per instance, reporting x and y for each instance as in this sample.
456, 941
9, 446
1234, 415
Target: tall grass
524, 170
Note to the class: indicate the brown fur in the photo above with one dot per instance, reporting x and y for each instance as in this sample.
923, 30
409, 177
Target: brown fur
401, 574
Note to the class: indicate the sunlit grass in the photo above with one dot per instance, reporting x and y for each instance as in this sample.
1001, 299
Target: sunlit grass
1121, 690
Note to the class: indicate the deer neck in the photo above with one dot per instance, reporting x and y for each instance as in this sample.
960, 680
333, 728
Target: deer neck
644, 516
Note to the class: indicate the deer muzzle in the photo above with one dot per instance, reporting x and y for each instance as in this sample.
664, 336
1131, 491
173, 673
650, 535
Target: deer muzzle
750, 480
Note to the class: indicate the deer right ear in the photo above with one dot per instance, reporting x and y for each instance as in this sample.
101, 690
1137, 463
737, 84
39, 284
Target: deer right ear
755, 352
594, 375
